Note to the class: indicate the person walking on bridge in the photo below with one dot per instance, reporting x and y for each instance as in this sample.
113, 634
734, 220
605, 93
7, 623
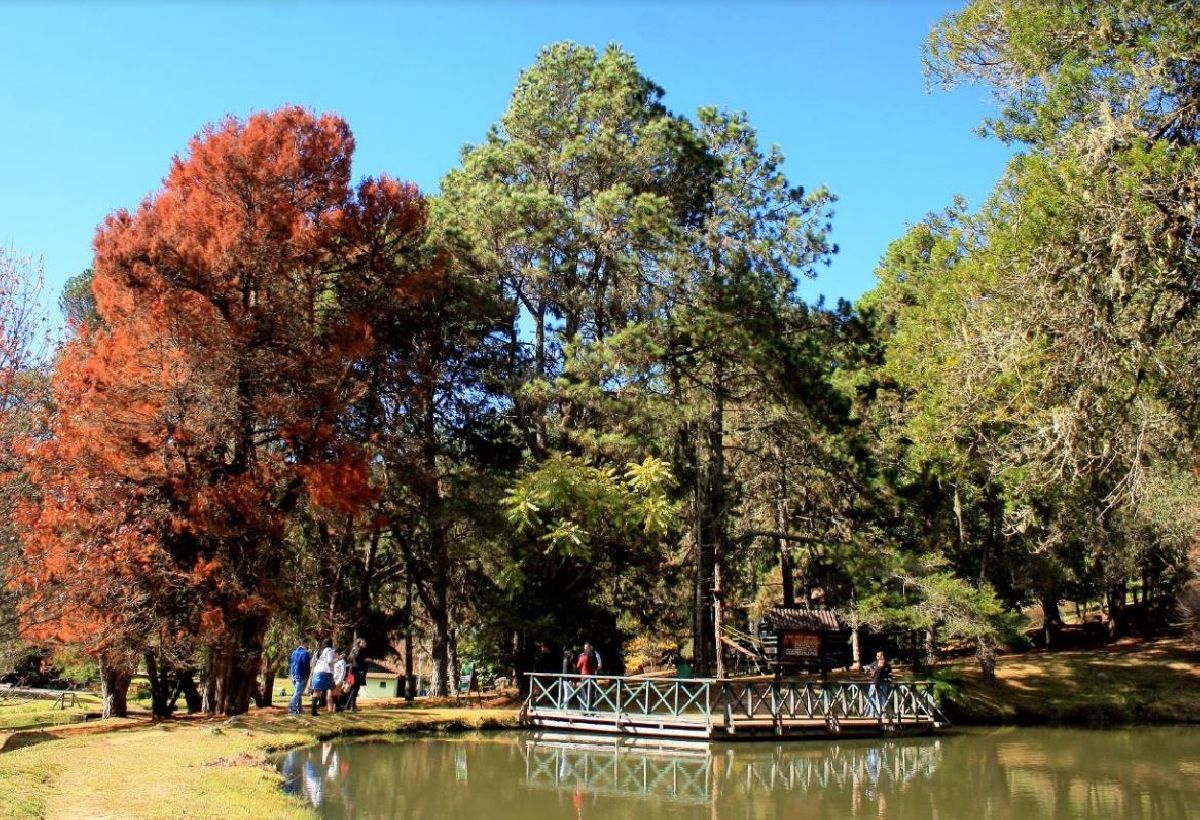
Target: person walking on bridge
588, 664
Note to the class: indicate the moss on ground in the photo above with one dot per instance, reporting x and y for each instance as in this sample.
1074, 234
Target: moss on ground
1130, 681
190, 768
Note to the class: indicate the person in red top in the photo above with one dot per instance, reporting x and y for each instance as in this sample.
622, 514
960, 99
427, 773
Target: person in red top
588, 664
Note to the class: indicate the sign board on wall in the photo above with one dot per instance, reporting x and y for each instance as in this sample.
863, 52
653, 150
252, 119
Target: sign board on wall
801, 645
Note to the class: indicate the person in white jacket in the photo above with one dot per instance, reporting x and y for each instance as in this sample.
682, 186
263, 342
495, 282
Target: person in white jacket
322, 674
339, 676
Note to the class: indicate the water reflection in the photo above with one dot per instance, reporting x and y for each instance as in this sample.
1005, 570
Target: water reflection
699, 773
1019, 773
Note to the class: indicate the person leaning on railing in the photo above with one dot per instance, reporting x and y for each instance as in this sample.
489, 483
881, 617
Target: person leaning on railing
880, 688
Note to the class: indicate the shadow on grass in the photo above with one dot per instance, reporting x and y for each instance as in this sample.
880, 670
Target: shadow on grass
1128, 682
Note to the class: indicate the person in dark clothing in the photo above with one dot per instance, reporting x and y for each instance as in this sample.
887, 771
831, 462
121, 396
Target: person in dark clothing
880, 689
298, 670
358, 668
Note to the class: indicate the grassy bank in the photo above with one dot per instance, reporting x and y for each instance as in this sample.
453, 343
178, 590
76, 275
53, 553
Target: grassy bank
188, 768
1130, 681
207, 767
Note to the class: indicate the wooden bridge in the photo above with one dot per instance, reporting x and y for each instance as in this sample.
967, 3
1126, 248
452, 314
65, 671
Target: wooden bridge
706, 708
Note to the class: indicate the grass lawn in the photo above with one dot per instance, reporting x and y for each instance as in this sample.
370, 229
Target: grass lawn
186, 767
18, 713
1129, 681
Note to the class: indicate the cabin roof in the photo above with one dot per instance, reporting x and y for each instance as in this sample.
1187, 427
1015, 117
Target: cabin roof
803, 619
385, 666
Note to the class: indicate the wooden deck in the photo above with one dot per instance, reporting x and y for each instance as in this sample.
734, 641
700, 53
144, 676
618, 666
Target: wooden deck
708, 709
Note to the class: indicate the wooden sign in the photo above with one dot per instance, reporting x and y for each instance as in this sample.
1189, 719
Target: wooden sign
800, 645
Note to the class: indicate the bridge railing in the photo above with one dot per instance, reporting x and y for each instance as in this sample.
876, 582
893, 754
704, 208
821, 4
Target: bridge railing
730, 701
830, 701
690, 698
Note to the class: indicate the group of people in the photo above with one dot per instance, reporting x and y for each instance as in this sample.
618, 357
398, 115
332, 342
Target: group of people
332, 676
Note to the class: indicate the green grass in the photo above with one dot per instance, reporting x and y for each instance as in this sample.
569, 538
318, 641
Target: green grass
1130, 681
27, 713
190, 768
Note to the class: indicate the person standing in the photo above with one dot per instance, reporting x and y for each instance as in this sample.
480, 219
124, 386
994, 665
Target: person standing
298, 671
881, 678
588, 664
340, 668
358, 669
322, 675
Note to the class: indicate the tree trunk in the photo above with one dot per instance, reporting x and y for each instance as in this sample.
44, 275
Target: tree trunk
711, 533
439, 614
268, 682
855, 652
1051, 617
233, 669
114, 688
522, 663
718, 621
410, 679
439, 686
436, 591
930, 647
1116, 610
455, 668
161, 687
986, 653
782, 548
186, 685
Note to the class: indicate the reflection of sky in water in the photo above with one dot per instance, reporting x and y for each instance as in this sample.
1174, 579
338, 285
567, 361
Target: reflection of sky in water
985, 774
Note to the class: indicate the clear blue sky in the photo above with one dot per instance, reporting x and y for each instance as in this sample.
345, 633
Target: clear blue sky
96, 98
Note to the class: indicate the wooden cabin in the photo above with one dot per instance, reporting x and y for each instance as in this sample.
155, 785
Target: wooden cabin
804, 639
385, 679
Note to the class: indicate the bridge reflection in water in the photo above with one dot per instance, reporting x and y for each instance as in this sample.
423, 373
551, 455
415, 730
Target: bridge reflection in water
999, 774
698, 773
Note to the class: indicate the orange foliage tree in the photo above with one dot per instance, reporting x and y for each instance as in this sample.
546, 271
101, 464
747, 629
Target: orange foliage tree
189, 426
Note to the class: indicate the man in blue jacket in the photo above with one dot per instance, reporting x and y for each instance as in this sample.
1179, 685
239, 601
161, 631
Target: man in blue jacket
298, 670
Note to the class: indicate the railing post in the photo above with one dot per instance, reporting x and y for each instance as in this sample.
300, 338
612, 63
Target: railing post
620, 703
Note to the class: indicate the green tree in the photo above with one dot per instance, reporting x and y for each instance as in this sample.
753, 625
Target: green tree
1039, 367
571, 206
732, 335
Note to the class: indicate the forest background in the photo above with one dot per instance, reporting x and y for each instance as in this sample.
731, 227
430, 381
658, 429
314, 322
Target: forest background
576, 394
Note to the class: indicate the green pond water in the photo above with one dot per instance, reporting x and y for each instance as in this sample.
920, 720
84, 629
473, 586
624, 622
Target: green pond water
974, 774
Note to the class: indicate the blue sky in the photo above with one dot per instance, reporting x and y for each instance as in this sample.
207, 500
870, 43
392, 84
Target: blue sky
96, 98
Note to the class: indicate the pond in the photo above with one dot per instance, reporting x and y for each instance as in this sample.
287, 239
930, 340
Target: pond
982, 774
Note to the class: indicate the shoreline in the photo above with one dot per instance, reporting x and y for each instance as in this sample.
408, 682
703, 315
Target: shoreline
194, 767
200, 766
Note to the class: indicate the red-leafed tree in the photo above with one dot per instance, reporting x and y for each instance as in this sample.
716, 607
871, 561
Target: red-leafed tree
204, 410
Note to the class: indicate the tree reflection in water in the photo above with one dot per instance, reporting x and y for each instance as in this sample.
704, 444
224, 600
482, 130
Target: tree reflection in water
984, 775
